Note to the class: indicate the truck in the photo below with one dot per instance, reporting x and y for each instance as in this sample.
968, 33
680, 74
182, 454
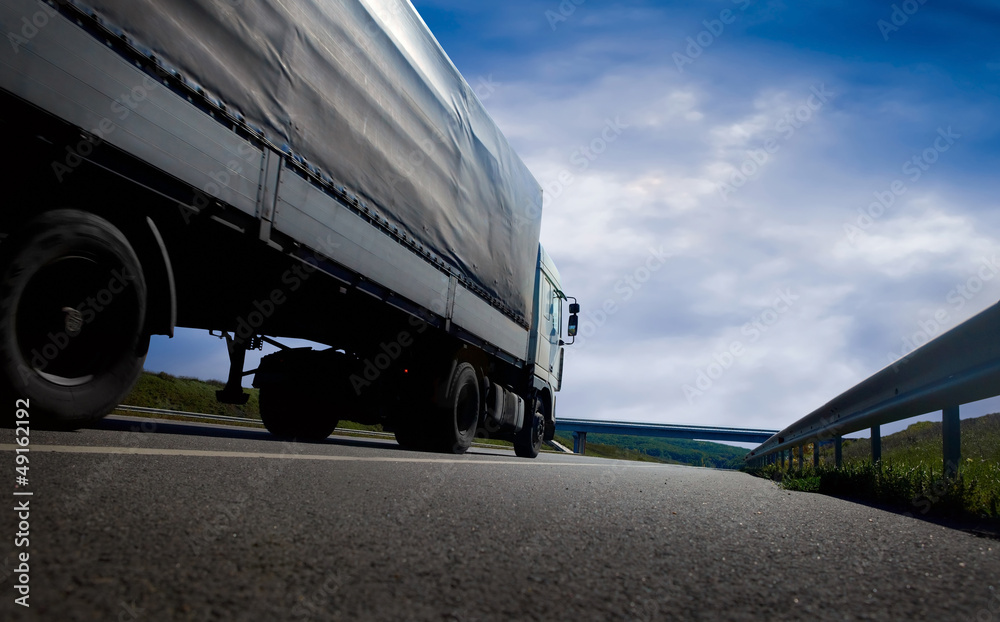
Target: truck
267, 171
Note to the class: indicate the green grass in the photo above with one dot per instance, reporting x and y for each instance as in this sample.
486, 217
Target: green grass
911, 473
188, 394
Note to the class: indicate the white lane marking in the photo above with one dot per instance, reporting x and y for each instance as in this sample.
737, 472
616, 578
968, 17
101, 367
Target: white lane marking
201, 453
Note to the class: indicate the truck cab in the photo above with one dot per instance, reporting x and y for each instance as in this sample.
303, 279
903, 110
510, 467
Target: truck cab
546, 345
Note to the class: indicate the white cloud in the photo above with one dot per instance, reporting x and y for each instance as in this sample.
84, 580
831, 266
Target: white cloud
924, 233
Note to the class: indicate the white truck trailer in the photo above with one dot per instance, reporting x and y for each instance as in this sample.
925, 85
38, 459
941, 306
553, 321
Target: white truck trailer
316, 169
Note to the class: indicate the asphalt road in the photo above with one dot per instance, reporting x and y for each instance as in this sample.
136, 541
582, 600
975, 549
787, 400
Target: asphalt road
167, 521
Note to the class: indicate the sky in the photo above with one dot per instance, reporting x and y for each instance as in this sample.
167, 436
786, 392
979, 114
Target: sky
757, 203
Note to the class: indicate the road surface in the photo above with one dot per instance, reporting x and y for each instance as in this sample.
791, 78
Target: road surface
144, 520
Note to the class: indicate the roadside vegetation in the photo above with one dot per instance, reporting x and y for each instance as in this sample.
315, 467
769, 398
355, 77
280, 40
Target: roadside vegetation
910, 475
189, 395
662, 450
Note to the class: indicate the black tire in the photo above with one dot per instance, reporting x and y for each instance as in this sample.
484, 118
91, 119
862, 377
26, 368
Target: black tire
412, 434
291, 412
458, 416
72, 310
528, 440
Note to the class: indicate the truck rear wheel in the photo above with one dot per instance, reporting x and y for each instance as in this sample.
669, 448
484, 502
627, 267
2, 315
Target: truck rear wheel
528, 440
288, 411
411, 434
304, 392
72, 307
457, 416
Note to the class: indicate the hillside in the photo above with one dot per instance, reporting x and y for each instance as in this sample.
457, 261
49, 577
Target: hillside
670, 451
911, 472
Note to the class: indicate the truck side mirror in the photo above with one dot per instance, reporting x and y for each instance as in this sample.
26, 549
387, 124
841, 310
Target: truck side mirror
574, 308
574, 321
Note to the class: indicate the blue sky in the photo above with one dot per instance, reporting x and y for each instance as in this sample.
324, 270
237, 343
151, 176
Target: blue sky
818, 177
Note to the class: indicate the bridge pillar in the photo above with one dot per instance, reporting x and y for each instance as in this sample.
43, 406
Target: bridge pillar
838, 451
579, 443
876, 444
816, 455
952, 433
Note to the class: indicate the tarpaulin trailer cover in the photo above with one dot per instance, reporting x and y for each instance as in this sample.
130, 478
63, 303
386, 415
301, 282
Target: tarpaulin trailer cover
362, 90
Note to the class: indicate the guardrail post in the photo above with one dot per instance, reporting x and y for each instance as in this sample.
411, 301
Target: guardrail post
579, 442
816, 455
838, 451
876, 444
951, 427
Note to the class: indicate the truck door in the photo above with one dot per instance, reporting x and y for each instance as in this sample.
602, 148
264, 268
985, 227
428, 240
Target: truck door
550, 328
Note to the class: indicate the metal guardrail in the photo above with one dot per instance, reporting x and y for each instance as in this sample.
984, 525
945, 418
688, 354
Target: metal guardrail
179, 413
581, 427
956, 368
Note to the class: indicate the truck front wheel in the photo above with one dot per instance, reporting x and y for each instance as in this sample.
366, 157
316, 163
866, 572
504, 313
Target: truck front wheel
528, 440
72, 307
